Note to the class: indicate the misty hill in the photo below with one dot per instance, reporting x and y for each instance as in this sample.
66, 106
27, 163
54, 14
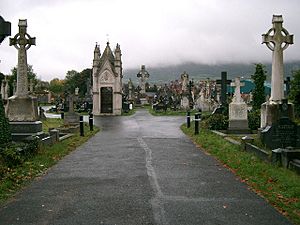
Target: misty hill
202, 71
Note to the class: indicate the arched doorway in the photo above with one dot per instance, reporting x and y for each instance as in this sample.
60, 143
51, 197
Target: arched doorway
106, 100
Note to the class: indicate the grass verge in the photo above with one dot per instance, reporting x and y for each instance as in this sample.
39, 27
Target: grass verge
16, 178
279, 186
129, 113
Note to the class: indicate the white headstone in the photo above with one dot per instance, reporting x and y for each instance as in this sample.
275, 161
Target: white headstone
238, 109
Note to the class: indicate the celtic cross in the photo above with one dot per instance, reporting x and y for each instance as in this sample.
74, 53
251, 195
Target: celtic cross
22, 42
277, 40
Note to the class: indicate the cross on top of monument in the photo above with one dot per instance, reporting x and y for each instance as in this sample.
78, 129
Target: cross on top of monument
280, 35
143, 72
237, 92
22, 39
277, 40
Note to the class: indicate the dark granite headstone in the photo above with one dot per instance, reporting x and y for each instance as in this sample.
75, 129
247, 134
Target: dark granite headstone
284, 133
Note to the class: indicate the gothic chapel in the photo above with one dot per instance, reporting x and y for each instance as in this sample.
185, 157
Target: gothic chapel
107, 81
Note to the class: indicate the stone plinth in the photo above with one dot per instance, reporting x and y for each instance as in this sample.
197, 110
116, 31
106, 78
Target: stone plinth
270, 113
71, 119
238, 118
22, 109
21, 130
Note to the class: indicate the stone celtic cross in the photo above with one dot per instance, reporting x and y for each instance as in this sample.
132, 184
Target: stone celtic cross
237, 92
143, 75
277, 39
22, 42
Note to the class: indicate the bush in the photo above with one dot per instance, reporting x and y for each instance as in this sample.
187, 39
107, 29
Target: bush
254, 119
217, 122
15, 154
5, 135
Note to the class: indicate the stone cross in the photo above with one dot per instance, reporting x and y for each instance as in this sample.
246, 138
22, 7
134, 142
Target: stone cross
277, 39
22, 42
143, 75
237, 92
223, 83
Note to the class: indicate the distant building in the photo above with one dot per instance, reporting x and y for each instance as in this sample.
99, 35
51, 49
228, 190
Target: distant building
107, 81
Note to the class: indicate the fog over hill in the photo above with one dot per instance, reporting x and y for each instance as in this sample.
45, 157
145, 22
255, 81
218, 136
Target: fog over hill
202, 71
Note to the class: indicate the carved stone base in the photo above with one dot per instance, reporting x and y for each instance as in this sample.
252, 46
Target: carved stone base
22, 109
270, 113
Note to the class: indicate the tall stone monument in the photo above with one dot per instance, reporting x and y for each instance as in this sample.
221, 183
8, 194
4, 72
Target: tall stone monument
143, 75
184, 82
21, 108
238, 114
277, 40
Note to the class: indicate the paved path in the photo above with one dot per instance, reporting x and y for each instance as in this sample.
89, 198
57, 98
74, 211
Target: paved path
139, 170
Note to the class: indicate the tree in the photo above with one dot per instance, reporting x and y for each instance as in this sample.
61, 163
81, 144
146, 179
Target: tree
56, 86
75, 79
31, 75
259, 78
294, 95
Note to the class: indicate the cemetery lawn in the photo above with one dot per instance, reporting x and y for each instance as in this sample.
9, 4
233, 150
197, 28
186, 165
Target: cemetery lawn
279, 186
16, 178
51, 123
129, 113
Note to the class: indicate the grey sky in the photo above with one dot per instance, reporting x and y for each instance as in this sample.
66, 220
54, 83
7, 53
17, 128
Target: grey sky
154, 32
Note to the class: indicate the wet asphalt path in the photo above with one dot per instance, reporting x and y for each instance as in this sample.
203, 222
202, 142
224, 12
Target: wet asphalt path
139, 170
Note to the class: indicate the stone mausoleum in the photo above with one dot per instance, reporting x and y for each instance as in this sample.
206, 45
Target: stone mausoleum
107, 81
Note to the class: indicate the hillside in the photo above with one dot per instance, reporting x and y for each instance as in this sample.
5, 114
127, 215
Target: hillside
201, 71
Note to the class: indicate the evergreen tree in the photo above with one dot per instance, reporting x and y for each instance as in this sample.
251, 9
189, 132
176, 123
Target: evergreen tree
258, 78
5, 135
294, 95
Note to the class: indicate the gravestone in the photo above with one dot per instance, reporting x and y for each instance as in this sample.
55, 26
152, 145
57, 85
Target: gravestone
277, 40
283, 133
184, 82
224, 82
4, 89
185, 103
71, 118
143, 75
238, 111
21, 108
130, 90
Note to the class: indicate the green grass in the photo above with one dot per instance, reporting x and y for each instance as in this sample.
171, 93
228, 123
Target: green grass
129, 113
16, 178
52, 123
169, 112
279, 186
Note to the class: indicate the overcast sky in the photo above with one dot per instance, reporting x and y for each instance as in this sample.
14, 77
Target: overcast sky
150, 32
